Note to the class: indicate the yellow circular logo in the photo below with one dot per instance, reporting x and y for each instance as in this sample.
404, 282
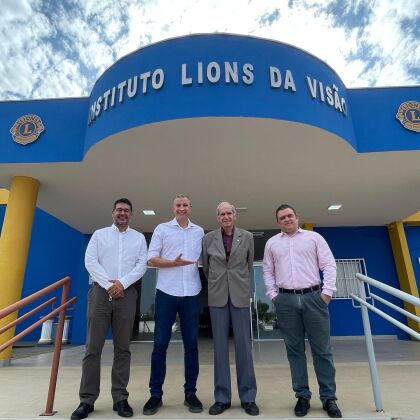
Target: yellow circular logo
409, 115
27, 129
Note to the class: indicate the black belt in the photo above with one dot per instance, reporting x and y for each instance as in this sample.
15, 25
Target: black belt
299, 291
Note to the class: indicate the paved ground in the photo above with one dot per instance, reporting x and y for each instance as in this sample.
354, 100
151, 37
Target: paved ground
24, 384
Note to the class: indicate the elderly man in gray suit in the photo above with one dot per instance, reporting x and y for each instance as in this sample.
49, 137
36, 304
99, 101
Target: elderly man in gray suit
228, 256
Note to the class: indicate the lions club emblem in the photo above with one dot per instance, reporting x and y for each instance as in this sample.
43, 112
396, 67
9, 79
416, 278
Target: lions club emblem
27, 129
409, 115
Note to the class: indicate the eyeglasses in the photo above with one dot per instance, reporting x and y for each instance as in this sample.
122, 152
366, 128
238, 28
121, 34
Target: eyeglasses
119, 210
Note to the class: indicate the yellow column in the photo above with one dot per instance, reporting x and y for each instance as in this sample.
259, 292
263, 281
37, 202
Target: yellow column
4, 196
308, 226
405, 269
14, 246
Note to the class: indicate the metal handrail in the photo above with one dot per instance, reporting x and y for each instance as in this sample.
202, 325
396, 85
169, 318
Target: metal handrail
65, 283
364, 306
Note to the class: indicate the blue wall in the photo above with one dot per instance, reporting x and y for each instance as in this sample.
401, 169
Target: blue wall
56, 250
78, 330
62, 141
257, 99
372, 244
368, 125
2, 211
374, 118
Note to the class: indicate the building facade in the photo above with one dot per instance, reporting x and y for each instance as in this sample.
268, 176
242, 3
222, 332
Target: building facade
218, 117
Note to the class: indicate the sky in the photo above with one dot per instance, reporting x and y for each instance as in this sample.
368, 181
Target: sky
59, 48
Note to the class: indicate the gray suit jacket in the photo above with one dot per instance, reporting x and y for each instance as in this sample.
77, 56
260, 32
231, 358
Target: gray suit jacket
228, 279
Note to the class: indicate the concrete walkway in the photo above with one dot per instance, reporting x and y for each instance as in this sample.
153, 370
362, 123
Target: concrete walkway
24, 384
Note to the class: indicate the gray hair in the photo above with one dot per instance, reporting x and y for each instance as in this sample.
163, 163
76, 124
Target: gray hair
225, 203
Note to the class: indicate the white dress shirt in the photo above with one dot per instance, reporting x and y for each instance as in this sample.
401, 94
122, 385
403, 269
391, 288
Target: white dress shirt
168, 241
115, 255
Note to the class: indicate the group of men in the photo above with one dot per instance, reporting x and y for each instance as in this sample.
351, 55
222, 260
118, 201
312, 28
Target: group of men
117, 256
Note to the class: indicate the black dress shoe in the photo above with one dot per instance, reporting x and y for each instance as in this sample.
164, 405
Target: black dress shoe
302, 407
152, 406
193, 403
250, 408
330, 406
123, 408
218, 408
82, 411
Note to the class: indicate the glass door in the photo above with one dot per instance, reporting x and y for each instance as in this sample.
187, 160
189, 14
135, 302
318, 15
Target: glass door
146, 327
263, 313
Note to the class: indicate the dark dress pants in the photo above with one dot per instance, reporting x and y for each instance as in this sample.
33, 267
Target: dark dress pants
297, 315
245, 375
101, 314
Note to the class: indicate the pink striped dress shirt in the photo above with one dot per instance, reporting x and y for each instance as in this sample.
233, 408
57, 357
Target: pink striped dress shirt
294, 262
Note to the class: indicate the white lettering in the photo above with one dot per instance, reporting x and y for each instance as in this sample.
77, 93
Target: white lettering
184, 79
121, 87
289, 83
92, 113
231, 73
275, 77
106, 95
129, 88
213, 72
200, 76
248, 77
144, 77
113, 97
312, 86
158, 77
344, 106
98, 107
321, 92
330, 99
132, 87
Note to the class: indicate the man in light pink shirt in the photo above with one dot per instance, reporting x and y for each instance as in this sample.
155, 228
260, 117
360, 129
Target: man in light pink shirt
292, 262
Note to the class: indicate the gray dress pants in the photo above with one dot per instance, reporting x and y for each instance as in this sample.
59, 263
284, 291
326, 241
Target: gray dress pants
245, 375
101, 314
297, 315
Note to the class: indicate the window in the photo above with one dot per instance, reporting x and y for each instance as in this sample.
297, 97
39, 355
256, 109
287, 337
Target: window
346, 277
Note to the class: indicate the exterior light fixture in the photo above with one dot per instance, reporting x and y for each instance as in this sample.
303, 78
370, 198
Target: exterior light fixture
333, 207
149, 212
241, 209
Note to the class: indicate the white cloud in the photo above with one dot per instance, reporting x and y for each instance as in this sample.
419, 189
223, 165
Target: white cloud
51, 49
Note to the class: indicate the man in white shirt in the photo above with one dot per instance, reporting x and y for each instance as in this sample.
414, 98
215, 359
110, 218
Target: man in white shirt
116, 257
175, 248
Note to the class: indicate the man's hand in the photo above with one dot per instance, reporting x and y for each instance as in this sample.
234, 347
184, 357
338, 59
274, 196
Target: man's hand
179, 262
325, 298
116, 291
